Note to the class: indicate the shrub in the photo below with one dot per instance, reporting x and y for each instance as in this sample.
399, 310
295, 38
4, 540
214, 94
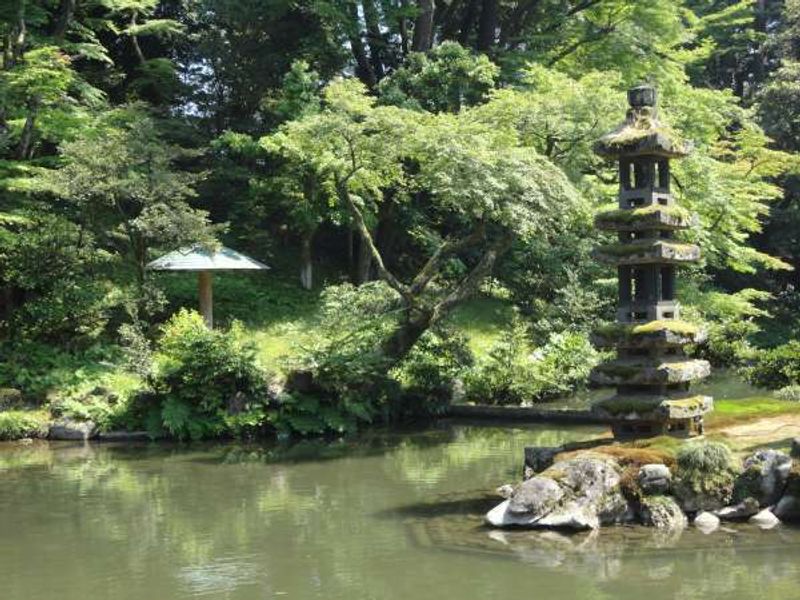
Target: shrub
513, 374
728, 343
206, 382
775, 368
705, 470
790, 393
38, 369
18, 424
429, 376
348, 373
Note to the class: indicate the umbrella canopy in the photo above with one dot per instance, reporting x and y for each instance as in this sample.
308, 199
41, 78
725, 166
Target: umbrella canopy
203, 261
200, 258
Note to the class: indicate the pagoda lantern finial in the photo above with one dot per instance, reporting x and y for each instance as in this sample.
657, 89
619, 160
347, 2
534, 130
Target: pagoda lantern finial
651, 372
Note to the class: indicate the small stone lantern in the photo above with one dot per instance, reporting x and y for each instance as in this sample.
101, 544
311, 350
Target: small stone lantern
652, 373
204, 261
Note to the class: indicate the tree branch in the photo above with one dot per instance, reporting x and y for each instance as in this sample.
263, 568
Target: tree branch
470, 283
449, 247
366, 238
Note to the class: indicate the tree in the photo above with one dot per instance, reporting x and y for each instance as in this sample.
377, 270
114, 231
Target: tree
480, 192
120, 180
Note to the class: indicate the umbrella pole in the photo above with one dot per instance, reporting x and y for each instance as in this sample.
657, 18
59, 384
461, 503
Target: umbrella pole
206, 297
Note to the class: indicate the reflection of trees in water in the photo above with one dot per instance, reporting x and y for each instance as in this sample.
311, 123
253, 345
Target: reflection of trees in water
489, 454
223, 517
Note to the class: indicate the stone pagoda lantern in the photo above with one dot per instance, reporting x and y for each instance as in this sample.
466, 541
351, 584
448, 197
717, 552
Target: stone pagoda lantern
652, 373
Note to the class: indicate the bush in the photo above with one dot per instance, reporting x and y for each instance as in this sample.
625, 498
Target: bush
705, 469
206, 382
513, 374
429, 376
790, 393
349, 373
728, 343
775, 368
18, 424
38, 369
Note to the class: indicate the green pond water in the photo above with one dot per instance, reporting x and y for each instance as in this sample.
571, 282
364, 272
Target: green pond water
385, 516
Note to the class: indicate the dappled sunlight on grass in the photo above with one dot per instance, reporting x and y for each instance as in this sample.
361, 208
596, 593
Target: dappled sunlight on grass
482, 321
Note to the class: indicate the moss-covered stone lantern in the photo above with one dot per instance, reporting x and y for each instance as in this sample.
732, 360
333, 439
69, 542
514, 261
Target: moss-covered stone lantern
652, 373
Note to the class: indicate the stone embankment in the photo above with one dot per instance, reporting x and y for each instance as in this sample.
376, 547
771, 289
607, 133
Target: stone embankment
588, 489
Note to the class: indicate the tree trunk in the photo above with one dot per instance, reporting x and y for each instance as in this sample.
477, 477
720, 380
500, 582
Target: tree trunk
135, 41
14, 44
386, 231
205, 297
25, 144
467, 22
374, 37
488, 25
423, 27
403, 27
403, 339
363, 67
306, 260
66, 10
364, 265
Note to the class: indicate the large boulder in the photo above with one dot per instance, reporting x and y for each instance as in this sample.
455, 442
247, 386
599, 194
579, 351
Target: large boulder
788, 508
662, 512
71, 429
738, 512
10, 398
765, 519
582, 492
654, 478
706, 522
764, 476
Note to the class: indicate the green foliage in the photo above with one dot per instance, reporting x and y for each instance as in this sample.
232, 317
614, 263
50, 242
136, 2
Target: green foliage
345, 361
730, 322
446, 79
790, 393
430, 375
37, 368
775, 367
17, 424
205, 380
513, 373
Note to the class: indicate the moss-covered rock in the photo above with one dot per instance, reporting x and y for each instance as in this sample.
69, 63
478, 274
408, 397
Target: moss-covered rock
662, 512
704, 476
764, 477
629, 371
653, 334
647, 251
655, 216
582, 492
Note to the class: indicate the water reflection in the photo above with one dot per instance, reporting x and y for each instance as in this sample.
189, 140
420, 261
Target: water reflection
384, 516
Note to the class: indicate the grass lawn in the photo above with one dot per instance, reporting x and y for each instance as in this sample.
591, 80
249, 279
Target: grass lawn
727, 412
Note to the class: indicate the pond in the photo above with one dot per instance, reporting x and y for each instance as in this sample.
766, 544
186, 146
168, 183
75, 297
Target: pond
385, 516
